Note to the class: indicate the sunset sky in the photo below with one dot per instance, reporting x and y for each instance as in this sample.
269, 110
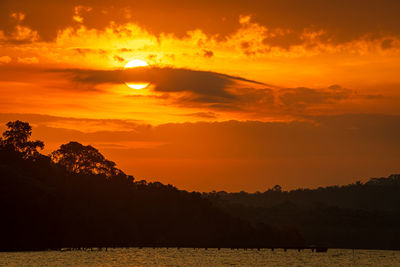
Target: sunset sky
241, 95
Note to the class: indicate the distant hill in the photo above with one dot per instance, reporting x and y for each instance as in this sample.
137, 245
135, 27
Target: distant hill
359, 215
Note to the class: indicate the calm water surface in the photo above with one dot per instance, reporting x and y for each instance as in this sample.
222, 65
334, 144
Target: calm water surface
201, 257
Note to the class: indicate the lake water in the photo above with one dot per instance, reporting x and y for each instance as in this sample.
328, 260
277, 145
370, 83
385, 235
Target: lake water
201, 257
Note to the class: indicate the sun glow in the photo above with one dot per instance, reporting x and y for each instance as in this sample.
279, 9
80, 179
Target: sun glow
135, 64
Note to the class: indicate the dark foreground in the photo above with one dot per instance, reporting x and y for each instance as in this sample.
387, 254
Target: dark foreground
75, 198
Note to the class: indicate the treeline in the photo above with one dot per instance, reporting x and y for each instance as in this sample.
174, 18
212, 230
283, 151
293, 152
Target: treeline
359, 215
75, 197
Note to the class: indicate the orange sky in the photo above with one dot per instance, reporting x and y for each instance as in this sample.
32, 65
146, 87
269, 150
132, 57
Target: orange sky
243, 95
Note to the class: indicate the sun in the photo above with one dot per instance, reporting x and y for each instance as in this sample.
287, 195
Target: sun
135, 64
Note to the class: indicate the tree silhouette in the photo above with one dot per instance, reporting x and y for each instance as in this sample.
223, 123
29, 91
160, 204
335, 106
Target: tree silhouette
17, 138
277, 188
78, 158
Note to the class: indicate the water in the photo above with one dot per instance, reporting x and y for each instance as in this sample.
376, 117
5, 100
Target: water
201, 257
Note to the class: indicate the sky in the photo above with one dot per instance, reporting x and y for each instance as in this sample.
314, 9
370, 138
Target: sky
241, 95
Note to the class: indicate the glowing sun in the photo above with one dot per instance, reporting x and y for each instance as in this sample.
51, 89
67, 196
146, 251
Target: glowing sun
135, 64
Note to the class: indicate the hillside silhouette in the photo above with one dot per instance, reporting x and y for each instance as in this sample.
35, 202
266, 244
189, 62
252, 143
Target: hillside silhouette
75, 197
358, 215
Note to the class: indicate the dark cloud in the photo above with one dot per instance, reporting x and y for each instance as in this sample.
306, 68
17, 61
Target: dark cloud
208, 53
85, 51
12, 41
341, 20
47, 17
200, 86
204, 115
125, 50
247, 99
284, 40
371, 97
301, 98
217, 91
387, 44
119, 59
198, 89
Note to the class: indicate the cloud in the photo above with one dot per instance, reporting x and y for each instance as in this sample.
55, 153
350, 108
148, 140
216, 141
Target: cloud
204, 115
78, 11
222, 18
118, 58
387, 44
201, 87
201, 91
301, 98
249, 99
219, 92
208, 53
20, 35
5, 59
85, 51
71, 123
371, 97
18, 16
28, 60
